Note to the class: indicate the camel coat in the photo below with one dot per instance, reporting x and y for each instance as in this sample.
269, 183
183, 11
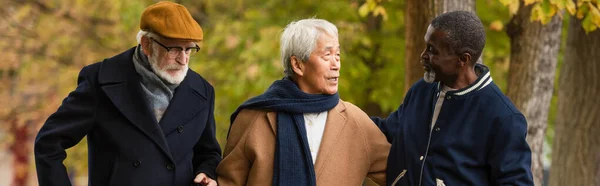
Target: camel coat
352, 148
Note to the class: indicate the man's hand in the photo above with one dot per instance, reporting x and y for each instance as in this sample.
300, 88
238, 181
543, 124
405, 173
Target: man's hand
204, 180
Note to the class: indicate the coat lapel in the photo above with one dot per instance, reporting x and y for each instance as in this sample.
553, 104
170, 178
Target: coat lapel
187, 101
120, 82
336, 120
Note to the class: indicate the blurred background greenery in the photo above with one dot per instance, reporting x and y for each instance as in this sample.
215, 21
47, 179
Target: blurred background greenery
46, 43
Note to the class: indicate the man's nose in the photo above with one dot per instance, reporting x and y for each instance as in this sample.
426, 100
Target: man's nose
424, 55
335, 62
182, 57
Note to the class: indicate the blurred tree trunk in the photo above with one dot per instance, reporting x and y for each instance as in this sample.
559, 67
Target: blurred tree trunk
576, 148
534, 55
419, 14
373, 25
443, 6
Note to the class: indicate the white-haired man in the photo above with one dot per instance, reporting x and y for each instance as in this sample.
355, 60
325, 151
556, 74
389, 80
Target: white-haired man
148, 118
299, 132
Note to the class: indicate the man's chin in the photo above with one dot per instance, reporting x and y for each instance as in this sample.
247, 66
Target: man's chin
429, 77
173, 78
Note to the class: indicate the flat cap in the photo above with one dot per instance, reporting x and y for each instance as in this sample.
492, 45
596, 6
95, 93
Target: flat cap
171, 20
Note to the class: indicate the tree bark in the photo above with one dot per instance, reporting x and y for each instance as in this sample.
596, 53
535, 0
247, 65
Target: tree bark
419, 14
443, 6
534, 55
576, 148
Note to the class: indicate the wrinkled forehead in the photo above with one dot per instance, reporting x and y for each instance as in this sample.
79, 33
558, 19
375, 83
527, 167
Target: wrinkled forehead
327, 41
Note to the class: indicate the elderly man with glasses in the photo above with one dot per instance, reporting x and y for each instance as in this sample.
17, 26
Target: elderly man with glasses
148, 118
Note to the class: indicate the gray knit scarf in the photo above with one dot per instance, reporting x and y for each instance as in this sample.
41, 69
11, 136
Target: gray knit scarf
158, 92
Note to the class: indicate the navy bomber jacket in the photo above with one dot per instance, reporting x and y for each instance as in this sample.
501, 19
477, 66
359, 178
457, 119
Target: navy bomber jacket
478, 138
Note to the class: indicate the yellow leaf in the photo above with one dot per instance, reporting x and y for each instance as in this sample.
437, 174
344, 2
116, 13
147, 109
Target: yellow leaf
570, 5
363, 11
560, 4
536, 13
553, 10
595, 15
546, 19
513, 8
528, 2
581, 2
379, 10
496, 25
372, 4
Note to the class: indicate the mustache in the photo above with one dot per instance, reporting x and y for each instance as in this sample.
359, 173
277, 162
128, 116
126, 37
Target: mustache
174, 67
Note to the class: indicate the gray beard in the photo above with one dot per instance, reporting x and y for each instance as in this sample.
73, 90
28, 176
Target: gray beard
163, 74
429, 76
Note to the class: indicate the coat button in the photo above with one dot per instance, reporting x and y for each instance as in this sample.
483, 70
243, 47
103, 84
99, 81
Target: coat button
437, 129
170, 167
421, 158
137, 163
180, 129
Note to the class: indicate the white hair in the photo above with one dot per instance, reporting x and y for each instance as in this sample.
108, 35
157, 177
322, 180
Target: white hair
143, 33
299, 38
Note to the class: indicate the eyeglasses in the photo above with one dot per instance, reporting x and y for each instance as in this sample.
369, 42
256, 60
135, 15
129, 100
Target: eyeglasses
173, 52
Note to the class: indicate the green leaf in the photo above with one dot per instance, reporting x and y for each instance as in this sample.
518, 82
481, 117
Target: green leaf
528, 2
545, 7
582, 11
505, 2
587, 24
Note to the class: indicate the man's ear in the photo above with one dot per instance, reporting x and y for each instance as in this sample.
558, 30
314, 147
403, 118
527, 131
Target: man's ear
464, 58
297, 66
145, 42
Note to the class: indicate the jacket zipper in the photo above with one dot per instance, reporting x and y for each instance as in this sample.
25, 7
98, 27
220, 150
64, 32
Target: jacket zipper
399, 176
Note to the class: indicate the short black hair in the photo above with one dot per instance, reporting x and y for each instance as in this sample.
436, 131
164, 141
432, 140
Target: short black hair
464, 32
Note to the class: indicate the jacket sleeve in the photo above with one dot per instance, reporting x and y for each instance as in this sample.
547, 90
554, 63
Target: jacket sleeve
378, 149
236, 164
390, 124
207, 152
64, 129
510, 155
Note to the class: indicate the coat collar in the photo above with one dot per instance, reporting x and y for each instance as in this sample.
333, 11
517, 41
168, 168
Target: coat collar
336, 120
121, 83
482, 81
